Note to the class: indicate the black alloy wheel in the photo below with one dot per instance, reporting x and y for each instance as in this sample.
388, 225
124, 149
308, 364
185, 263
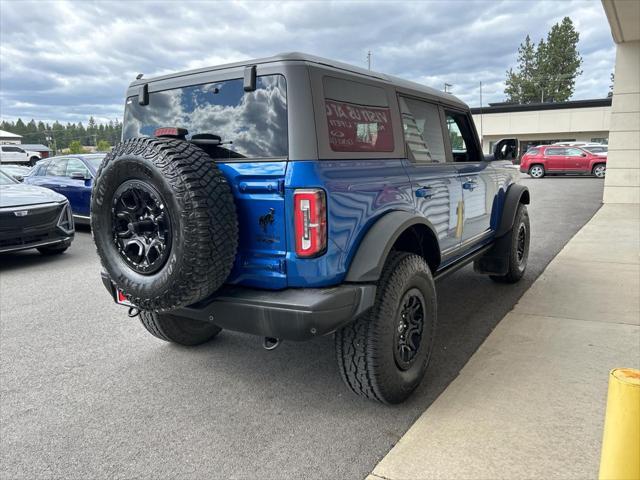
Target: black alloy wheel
408, 334
141, 227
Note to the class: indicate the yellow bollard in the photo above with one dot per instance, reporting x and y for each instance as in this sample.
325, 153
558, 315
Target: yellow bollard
620, 458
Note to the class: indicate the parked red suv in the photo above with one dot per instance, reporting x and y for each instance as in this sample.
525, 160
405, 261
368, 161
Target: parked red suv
548, 159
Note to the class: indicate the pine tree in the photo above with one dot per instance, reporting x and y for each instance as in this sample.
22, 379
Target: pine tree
521, 86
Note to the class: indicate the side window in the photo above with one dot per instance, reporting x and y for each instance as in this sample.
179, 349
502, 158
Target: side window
573, 152
358, 116
57, 168
555, 151
75, 165
422, 131
461, 138
40, 170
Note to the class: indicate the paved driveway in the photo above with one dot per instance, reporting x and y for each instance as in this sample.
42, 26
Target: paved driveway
85, 392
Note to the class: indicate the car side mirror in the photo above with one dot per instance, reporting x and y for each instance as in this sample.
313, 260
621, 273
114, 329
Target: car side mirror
584, 154
80, 176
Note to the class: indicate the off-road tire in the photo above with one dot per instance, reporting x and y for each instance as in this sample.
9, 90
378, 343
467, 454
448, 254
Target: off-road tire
33, 161
180, 330
365, 348
56, 249
517, 262
200, 206
533, 172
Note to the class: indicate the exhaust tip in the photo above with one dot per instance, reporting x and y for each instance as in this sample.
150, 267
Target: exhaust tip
270, 343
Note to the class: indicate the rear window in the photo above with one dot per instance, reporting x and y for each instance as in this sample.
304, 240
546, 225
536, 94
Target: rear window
358, 116
251, 124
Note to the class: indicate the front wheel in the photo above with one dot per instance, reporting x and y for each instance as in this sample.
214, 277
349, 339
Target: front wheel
54, 249
184, 331
536, 171
33, 161
383, 355
599, 170
519, 248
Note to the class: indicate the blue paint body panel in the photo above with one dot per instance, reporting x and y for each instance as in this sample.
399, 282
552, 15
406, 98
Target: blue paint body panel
359, 192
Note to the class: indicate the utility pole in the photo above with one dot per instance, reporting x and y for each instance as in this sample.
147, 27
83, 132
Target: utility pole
447, 87
369, 59
481, 136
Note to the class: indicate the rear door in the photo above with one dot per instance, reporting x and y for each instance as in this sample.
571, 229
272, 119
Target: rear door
576, 160
434, 181
555, 159
11, 153
477, 178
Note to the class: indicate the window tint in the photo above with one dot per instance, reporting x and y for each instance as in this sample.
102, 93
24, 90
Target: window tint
256, 122
461, 138
75, 165
555, 151
358, 117
41, 170
422, 130
12, 149
574, 152
57, 168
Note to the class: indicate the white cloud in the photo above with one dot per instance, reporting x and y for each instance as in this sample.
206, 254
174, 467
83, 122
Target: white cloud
68, 60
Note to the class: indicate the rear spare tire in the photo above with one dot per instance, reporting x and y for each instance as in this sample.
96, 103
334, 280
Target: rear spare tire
164, 222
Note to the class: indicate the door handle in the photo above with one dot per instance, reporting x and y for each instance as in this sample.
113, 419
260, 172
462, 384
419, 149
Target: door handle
470, 184
424, 192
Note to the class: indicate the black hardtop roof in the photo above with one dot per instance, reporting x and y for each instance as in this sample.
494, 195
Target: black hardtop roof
318, 62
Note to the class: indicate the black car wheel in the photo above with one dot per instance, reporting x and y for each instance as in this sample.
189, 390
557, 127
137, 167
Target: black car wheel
383, 355
180, 330
54, 249
164, 222
518, 253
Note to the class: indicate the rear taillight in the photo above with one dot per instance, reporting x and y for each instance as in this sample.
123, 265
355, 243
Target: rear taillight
310, 211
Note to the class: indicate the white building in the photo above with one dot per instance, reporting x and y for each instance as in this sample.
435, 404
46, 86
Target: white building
8, 137
622, 183
544, 123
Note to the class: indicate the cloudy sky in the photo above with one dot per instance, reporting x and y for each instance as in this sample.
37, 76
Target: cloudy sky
66, 61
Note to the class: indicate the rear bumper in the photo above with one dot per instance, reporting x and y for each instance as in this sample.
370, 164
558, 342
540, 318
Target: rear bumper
291, 314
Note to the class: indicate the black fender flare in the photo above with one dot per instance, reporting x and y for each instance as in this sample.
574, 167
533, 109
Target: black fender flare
374, 248
516, 194
496, 260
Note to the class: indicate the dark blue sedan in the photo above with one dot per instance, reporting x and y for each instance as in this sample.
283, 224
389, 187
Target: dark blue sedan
70, 175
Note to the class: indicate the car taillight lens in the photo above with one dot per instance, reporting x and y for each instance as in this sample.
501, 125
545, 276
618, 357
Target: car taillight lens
310, 210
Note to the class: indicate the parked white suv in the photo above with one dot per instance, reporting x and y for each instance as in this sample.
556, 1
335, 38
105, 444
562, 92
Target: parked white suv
15, 154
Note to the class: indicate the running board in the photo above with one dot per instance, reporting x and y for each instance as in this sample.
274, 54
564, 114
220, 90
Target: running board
464, 261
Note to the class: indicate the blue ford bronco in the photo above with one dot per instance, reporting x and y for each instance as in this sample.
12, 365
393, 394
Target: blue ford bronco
294, 196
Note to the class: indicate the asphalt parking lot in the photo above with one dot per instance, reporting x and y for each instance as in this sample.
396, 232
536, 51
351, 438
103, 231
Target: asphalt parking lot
85, 392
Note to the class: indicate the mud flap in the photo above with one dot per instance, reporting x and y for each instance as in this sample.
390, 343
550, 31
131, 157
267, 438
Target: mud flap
496, 260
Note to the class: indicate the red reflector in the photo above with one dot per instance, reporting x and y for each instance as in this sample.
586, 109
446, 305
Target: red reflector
170, 132
121, 297
310, 214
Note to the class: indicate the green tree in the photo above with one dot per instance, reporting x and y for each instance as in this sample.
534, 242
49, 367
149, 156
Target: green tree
546, 72
520, 85
103, 146
76, 147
